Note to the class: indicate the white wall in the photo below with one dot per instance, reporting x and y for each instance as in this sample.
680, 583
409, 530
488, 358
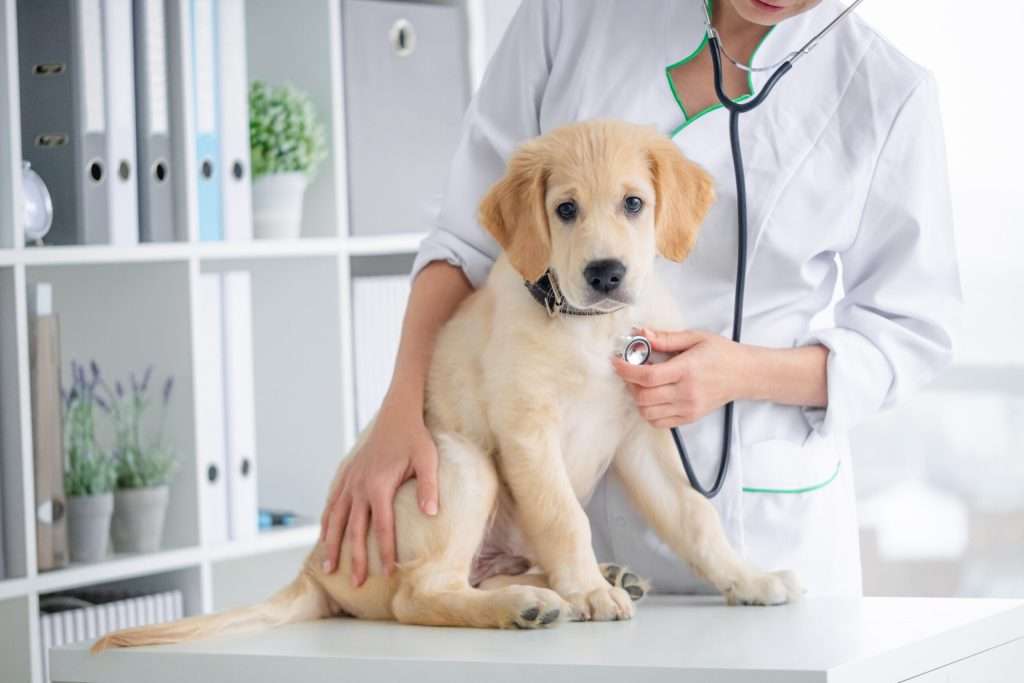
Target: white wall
941, 479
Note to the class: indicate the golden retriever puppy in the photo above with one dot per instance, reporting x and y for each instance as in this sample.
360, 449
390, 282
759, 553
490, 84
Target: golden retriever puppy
528, 415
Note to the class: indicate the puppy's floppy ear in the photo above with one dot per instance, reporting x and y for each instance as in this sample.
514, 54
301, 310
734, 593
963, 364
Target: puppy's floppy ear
684, 195
513, 212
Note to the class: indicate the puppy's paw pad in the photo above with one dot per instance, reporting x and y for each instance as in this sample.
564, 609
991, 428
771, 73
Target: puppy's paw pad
536, 608
621, 577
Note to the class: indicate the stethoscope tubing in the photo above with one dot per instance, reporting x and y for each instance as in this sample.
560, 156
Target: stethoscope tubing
735, 109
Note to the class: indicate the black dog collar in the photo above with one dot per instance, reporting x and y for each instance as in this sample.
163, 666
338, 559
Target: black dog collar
545, 292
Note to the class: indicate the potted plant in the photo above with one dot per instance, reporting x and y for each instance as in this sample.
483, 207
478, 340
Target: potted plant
144, 466
287, 142
89, 473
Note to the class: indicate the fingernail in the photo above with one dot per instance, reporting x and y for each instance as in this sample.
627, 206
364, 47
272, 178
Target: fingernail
355, 581
430, 507
326, 566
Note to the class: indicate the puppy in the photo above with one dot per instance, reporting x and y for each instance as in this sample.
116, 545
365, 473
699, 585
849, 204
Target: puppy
528, 415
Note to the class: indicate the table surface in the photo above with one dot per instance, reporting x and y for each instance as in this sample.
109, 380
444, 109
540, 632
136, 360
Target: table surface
671, 638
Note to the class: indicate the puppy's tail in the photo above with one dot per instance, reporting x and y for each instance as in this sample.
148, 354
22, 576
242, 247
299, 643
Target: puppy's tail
302, 600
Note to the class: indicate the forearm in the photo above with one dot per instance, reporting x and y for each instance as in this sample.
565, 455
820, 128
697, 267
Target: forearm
794, 376
436, 292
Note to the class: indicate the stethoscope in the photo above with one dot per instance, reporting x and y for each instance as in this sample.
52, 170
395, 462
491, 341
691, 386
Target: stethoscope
637, 350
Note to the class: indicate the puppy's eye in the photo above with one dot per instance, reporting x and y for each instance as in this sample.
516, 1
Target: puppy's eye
566, 211
633, 205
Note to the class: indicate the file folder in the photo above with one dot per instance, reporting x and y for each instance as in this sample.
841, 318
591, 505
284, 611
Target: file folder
156, 208
210, 415
236, 185
47, 432
119, 70
240, 403
63, 117
207, 144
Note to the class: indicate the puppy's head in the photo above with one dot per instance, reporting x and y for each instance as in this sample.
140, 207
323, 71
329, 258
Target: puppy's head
595, 202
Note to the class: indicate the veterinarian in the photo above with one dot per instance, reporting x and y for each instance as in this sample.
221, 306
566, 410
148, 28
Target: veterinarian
847, 184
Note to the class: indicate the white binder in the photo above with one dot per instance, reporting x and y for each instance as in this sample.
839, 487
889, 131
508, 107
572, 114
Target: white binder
240, 399
378, 307
211, 439
119, 69
236, 186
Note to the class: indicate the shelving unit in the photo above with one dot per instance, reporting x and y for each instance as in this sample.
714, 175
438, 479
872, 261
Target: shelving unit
131, 306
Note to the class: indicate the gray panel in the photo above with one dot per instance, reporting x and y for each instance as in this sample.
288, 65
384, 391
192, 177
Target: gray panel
404, 112
52, 100
44, 44
156, 207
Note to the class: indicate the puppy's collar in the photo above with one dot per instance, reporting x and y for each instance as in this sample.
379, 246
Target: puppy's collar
545, 292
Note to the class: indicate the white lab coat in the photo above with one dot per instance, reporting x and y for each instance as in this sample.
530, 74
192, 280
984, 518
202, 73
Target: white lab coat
845, 158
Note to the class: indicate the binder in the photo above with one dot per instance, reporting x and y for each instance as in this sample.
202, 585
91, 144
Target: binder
211, 440
47, 432
205, 75
378, 308
156, 208
63, 117
236, 185
240, 404
119, 71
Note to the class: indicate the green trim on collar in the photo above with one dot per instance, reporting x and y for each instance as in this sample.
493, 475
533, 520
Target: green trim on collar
687, 119
806, 489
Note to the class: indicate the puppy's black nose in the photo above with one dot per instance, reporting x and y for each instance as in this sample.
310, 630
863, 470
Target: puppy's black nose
604, 275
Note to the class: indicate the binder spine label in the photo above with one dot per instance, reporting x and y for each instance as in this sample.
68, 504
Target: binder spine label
156, 67
91, 61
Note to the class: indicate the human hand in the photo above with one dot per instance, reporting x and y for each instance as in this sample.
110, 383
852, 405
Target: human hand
707, 372
398, 447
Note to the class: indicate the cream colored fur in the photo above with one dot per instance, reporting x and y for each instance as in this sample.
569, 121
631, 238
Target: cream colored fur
528, 415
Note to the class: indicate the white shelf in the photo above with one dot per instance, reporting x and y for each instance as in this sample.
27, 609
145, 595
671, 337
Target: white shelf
14, 588
399, 243
267, 541
121, 567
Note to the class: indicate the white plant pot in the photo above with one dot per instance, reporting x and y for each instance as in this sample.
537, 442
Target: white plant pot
277, 205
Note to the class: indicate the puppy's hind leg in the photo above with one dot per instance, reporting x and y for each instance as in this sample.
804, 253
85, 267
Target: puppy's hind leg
433, 586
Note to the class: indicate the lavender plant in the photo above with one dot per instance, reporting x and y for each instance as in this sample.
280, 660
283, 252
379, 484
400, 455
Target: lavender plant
88, 470
140, 462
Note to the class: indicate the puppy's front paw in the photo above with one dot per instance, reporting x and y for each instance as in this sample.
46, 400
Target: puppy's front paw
625, 579
775, 588
606, 603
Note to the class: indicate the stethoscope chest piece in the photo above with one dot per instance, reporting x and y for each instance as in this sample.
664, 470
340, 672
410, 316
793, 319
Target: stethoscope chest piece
635, 350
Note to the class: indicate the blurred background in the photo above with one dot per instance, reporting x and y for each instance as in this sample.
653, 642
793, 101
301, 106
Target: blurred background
940, 480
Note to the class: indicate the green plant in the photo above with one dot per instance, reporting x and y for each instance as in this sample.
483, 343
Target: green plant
284, 132
139, 463
88, 470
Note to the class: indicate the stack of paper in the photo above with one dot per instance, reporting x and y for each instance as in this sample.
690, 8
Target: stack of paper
88, 615
378, 307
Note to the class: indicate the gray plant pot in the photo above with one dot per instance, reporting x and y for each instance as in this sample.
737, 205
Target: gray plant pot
139, 519
89, 526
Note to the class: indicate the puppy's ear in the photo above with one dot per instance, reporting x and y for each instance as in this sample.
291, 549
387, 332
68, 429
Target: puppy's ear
513, 212
684, 195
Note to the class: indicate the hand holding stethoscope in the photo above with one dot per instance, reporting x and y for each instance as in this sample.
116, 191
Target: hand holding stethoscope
637, 350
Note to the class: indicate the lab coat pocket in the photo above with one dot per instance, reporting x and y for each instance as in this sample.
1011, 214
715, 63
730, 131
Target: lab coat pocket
784, 466
793, 518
